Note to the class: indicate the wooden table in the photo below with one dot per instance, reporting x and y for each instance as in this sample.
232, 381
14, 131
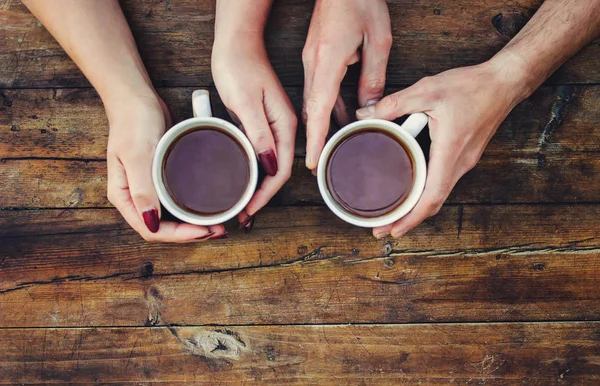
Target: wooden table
501, 287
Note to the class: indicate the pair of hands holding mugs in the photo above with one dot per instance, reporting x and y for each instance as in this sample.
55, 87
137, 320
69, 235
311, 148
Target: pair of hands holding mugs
465, 107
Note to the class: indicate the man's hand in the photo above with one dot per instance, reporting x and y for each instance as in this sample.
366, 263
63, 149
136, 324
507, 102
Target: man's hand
466, 105
341, 33
465, 108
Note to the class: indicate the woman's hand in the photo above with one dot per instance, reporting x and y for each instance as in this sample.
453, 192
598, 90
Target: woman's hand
136, 125
258, 103
465, 108
341, 32
137, 117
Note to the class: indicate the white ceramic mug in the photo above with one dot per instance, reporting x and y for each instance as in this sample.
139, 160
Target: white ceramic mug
202, 119
405, 134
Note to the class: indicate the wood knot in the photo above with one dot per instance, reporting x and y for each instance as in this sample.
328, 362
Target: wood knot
538, 266
387, 248
509, 25
76, 197
217, 344
153, 299
147, 270
5, 100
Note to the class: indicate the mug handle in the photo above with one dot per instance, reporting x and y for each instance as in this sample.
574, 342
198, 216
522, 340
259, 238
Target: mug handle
201, 104
415, 123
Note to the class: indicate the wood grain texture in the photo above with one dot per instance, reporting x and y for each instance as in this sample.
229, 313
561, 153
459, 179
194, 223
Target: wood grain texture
175, 40
545, 179
490, 354
518, 285
467, 264
84, 299
70, 123
539, 147
46, 245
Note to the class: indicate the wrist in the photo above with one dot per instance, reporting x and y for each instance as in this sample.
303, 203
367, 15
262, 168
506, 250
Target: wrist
228, 47
241, 20
228, 37
121, 103
512, 71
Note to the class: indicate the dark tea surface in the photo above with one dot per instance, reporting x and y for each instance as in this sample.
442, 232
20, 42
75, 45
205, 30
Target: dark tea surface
206, 171
369, 174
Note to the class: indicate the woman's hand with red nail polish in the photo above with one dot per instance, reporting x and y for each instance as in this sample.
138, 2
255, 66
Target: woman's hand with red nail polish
96, 35
136, 125
251, 91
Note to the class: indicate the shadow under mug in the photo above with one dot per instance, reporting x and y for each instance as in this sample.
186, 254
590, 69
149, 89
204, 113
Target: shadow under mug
203, 119
405, 134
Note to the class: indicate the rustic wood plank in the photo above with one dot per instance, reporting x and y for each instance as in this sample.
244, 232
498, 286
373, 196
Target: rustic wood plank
537, 178
516, 285
429, 37
498, 263
570, 177
43, 245
491, 354
70, 123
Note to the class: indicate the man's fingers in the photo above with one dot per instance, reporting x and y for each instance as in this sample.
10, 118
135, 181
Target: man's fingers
340, 112
375, 56
408, 101
440, 181
255, 123
319, 101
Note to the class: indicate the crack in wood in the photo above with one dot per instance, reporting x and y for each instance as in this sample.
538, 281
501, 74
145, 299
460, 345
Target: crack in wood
400, 283
460, 220
569, 247
73, 278
565, 94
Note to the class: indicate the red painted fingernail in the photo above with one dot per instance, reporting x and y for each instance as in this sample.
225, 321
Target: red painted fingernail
249, 225
221, 236
245, 222
268, 161
151, 220
206, 236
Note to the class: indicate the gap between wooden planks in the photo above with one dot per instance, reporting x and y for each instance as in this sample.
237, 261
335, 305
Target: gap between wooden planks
469, 263
50, 137
568, 178
491, 354
71, 123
